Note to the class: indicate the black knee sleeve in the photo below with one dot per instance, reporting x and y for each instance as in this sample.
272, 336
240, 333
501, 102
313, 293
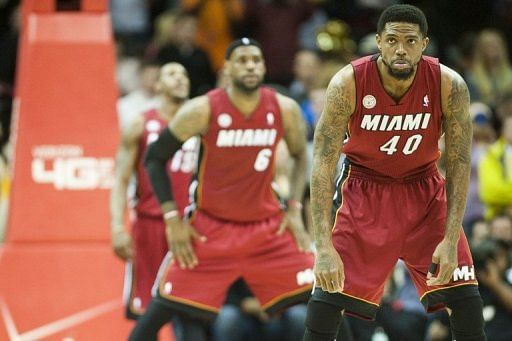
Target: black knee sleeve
149, 324
466, 319
322, 321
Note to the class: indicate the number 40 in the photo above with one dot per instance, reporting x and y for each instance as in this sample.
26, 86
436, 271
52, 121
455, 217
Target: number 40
412, 143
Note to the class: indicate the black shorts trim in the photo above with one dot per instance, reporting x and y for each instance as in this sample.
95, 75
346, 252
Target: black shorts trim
187, 308
301, 296
350, 304
437, 299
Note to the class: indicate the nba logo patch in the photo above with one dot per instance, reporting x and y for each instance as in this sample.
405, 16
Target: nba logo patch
270, 118
369, 101
425, 101
224, 120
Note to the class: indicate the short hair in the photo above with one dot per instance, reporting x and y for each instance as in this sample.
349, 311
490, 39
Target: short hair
240, 42
403, 13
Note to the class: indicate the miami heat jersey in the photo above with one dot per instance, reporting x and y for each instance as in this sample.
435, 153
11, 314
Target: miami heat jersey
180, 168
236, 168
395, 138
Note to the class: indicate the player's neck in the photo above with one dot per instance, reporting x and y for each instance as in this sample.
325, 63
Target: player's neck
395, 88
168, 108
244, 101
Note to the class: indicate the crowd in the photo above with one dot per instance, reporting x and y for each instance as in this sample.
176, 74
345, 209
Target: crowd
304, 43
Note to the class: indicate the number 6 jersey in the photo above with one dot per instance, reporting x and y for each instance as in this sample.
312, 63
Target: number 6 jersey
236, 167
395, 138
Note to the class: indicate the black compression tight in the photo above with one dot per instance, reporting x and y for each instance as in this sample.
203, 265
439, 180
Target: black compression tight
322, 321
466, 319
156, 316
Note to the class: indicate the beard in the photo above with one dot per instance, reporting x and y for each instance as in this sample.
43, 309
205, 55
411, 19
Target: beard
248, 89
399, 74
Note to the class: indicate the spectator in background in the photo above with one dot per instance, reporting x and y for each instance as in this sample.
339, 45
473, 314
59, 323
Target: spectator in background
183, 49
143, 98
483, 137
501, 228
131, 24
163, 32
490, 74
275, 24
495, 171
218, 25
306, 66
494, 273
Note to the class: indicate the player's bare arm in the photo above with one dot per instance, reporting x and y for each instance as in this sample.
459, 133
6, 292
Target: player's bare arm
458, 135
329, 134
190, 120
125, 166
295, 138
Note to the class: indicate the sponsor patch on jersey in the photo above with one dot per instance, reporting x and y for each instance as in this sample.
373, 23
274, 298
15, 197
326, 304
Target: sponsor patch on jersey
224, 120
270, 118
153, 125
369, 101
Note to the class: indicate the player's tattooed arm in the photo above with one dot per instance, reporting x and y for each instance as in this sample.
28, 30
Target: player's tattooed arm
458, 135
126, 159
328, 141
191, 119
329, 134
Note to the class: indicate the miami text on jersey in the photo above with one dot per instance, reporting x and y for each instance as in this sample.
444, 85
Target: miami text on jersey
246, 137
395, 122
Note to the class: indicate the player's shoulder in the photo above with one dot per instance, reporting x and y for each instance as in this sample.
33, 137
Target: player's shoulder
286, 103
199, 104
134, 129
450, 76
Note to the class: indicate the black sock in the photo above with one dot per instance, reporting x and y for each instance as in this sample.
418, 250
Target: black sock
149, 324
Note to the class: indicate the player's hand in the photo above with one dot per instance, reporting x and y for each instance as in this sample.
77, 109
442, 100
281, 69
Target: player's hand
445, 256
252, 306
122, 244
179, 234
293, 221
329, 270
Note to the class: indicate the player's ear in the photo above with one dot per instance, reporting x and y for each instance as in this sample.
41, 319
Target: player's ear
425, 42
377, 40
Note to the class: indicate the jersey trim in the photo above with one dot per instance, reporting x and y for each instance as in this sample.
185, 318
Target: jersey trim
346, 169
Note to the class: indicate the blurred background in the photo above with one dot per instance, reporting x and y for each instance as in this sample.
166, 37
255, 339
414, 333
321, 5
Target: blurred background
305, 42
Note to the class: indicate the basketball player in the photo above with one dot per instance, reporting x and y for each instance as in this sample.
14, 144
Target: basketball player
147, 245
390, 201
238, 230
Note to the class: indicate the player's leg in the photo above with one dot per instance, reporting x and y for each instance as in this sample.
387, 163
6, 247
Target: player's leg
367, 235
150, 248
148, 325
461, 294
466, 319
323, 321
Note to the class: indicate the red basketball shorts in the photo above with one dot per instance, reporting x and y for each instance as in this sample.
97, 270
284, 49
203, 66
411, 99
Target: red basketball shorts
277, 273
380, 220
150, 247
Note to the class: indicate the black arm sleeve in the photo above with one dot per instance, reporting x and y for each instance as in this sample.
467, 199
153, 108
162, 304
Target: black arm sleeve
157, 155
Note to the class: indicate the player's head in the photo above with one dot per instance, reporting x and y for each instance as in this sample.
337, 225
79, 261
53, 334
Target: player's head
401, 39
173, 82
245, 65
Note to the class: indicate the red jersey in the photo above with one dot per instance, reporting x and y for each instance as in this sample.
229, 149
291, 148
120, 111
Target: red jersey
236, 168
180, 169
395, 138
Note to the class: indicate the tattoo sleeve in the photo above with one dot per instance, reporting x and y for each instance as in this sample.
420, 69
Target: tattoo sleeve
328, 141
458, 135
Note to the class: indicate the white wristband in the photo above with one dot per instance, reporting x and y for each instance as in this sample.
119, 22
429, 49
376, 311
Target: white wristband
171, 214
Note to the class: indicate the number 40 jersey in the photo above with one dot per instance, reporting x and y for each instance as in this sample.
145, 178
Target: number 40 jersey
395, 138
236, 166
